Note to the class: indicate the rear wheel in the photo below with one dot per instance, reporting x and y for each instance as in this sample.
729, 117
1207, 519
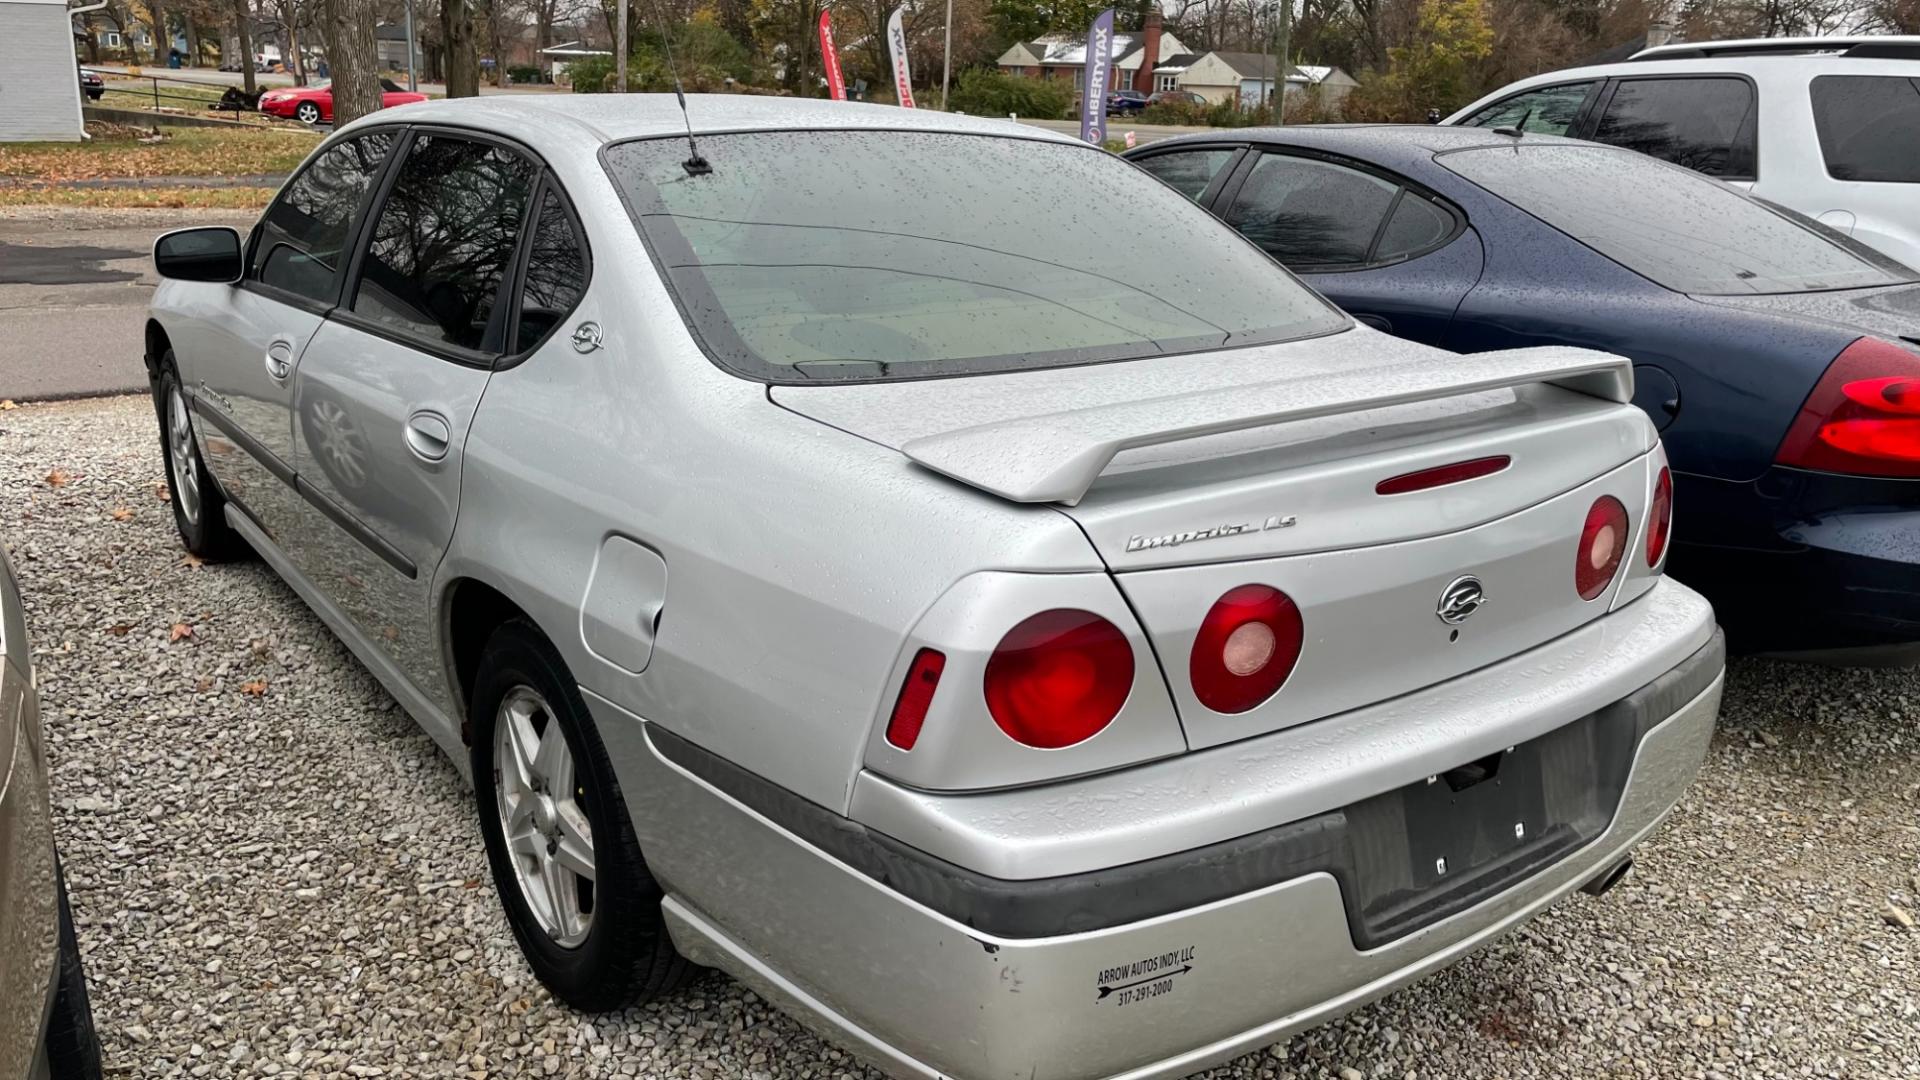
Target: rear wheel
565, 861
199, 510
73, 1045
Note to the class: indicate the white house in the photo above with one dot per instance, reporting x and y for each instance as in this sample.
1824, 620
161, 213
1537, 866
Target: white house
1136, 56
1248, 78
39, 78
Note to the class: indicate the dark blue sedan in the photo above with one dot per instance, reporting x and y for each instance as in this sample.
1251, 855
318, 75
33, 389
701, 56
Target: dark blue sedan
1780, 359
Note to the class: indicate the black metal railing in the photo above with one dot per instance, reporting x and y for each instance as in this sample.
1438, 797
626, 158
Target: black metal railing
163, 95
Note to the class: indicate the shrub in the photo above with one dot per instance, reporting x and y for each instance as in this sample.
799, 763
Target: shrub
984, 92
592, 75
525, 73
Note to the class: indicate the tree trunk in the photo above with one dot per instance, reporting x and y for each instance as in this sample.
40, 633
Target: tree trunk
243, 21
162, 41
456, 35
494, 43
193, 38
346, 26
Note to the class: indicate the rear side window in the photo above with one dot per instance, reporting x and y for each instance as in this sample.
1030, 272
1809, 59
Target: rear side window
1869, 127
302, 239
444, 240
943, 254
1706, 125
1416, 225
1550, 110
1187, 171
1310, 213
556, 273
1680, 230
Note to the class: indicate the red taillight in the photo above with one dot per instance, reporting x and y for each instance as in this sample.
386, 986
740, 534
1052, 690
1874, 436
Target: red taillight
1442, 475
1603, 540
1864, 416
916, 694
1660, 516
1058, 678
1246, 648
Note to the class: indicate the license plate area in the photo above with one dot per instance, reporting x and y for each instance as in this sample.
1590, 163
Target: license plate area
1425, 851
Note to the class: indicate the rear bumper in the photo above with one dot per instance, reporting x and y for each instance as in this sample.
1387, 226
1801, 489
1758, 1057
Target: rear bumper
29, 886
1808, 564
882, 954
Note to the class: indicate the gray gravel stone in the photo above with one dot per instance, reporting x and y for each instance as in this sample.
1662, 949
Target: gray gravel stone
291, 883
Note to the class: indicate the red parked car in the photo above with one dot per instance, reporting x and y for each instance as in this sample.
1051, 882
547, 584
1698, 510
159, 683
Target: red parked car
314, 104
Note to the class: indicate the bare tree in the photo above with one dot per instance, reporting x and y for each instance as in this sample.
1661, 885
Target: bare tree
162, 41
243, 28
456, 37
346, 26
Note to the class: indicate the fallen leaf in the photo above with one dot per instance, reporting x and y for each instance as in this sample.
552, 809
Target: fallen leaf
121, 513
254, 688
470, 883
119, 629
160, 492
180, 630
8, 405
205, 684
192, 560
57, 478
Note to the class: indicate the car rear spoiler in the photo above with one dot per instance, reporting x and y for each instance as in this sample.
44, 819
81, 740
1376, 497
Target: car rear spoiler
1056, 457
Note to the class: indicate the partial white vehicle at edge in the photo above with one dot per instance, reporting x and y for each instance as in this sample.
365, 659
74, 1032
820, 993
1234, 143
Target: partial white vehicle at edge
1018, 646
1826, 126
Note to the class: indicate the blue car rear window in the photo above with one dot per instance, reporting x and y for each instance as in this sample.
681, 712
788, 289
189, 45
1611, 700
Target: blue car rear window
1684, 231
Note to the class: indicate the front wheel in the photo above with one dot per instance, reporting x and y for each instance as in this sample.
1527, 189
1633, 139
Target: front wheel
308, 113
565, 861
73, 1044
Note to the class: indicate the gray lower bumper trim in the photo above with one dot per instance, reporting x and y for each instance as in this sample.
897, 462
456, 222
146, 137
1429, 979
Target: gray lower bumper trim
1078, 903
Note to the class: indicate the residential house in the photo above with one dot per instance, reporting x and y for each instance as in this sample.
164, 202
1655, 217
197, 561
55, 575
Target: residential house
40, 91
1247, 78
1136, 56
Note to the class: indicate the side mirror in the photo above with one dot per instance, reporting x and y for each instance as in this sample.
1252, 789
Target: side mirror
211, 253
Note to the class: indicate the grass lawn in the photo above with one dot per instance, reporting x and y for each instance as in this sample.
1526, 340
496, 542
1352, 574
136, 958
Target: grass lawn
118, 151
234, 198
138, 94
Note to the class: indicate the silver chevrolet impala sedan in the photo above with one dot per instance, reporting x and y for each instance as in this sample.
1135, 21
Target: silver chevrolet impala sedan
1020, 638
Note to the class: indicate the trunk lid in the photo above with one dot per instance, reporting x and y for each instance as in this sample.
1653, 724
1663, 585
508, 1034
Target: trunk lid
1194, 475
1892, 312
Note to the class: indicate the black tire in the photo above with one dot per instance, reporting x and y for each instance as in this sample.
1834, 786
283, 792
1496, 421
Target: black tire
627, 955
203, 532
73, 1045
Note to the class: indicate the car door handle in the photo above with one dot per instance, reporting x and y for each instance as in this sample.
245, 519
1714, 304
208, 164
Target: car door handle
429, 435
280, 359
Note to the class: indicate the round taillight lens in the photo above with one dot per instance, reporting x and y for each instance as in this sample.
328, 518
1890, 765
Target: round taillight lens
1660, 517
1603, 541
1246, 648
1058, 678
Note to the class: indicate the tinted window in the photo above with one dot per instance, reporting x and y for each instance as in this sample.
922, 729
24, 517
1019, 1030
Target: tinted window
1416, 225
1189, 172
1550, 110
556, 273
1310, 213
1683, 231
444, 239
942, 254
1869, 127
306, 229
1701, 124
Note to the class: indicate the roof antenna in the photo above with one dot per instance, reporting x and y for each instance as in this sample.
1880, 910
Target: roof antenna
695, 164
1518, 130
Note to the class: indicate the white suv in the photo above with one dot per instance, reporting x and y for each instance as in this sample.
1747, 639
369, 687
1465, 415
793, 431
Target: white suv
1826, 126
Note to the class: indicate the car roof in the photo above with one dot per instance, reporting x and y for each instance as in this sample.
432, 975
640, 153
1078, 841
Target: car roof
1400, 147
541, 119
1875, 45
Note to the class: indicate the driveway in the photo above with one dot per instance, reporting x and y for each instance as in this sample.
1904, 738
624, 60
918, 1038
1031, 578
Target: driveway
74, 286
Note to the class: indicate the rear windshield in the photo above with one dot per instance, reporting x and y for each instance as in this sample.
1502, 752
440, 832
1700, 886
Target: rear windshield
1677, 228
1869, 127
809, 256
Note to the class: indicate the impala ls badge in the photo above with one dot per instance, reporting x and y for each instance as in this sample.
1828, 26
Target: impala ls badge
1460, 599
586, 337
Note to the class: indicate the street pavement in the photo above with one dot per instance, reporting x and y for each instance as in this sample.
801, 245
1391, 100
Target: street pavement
74, 286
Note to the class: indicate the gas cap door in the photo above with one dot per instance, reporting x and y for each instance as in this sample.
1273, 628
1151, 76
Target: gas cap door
1657, 393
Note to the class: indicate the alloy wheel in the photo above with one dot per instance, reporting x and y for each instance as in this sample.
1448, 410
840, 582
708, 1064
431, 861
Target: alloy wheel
182, 456
548, 837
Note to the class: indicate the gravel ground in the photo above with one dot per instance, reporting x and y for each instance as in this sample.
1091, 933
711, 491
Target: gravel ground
275, 874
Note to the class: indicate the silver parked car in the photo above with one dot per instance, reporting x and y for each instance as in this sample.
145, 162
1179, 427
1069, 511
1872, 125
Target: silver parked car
1019, 642
46, 1024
